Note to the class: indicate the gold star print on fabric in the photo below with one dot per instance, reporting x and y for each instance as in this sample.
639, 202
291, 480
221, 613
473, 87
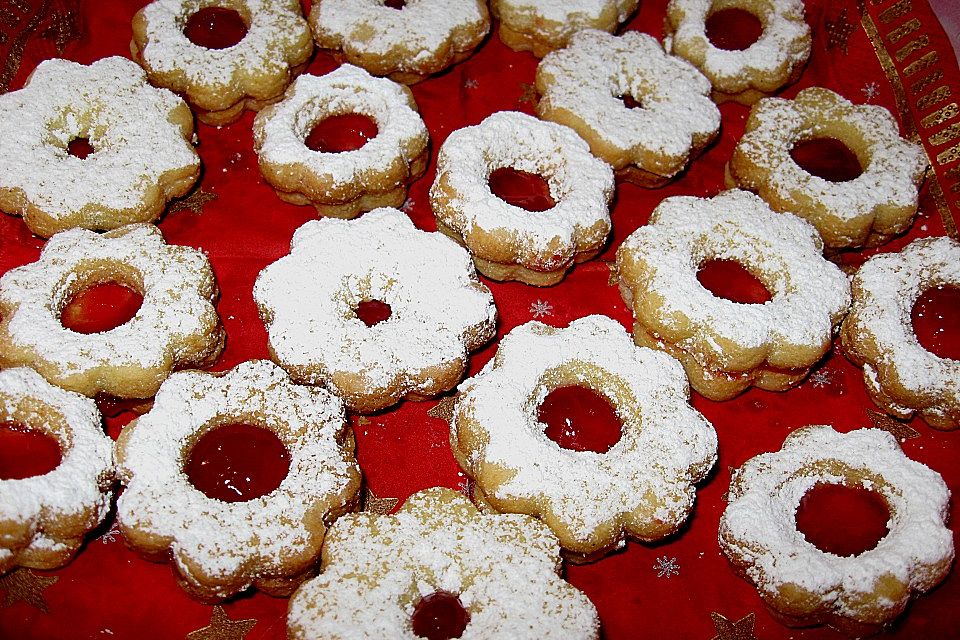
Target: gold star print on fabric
528, 94
62, 29
194, 201
444, 408
742, 629
223, 628
839, 31
613, 278
24, 585
377, 505
900, 430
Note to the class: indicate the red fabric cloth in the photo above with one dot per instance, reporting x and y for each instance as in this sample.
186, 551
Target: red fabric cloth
109, 592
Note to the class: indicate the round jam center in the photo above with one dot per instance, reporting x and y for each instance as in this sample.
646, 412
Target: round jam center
395, 4
728, 279
827, 158
733, 29
100, 307
372, 312
842, 520
521, 189
630, 102
80, 148
237, 462
25, 452
345, 132
936, 319
439, 616
580, 419
215, 28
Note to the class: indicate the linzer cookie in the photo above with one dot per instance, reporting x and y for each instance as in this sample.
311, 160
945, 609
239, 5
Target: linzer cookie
593, 495
50, 501
342, 176
540, 26
438, 568
374, 308
93, 146
726, 344
223, 57
234, 478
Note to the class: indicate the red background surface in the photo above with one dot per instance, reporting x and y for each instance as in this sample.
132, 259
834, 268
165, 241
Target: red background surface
110, 592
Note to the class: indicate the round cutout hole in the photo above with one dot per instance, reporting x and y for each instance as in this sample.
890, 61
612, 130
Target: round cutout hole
827, 158
733, 29
521, 189
26, 452
215, 28
936, 321
237, 463
580, 419
100, 307
344, 132
728, 279
842, 520
373, 312
439, 616
80, 148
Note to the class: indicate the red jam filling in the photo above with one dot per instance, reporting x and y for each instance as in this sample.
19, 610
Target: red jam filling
344, 132
100, 307
80, 148
237, 462
439, 616
630, 102
215, 28
728, 279
827, 158
521, 189
372, 312
842, 520
936, 319
733, 29
580, 419
25, 452
395, 4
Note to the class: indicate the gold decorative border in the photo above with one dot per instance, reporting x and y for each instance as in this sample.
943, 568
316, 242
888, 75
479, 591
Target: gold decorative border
901, 38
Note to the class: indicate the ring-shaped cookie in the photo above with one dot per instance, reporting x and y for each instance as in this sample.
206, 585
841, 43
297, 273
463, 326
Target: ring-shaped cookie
775, 60
582, 86
726, 346
407, 44
865, 211
221, 83
805, 585
503, 569
44, 518
590, 500
176, 325
541, 27
309, 300
901, 375
220, 548
345, 184
140, 136
506, 241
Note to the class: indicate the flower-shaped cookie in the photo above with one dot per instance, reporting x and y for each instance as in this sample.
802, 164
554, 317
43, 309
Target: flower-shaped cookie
176, 326
508, 242
900, 374
540, 26
44, 518
347, 183
407, 44
774, 60
140, 138
219, 548
582, 86
221, 82
726, 346
312, 302
865, 211
641, 487
806, 585
377, 572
